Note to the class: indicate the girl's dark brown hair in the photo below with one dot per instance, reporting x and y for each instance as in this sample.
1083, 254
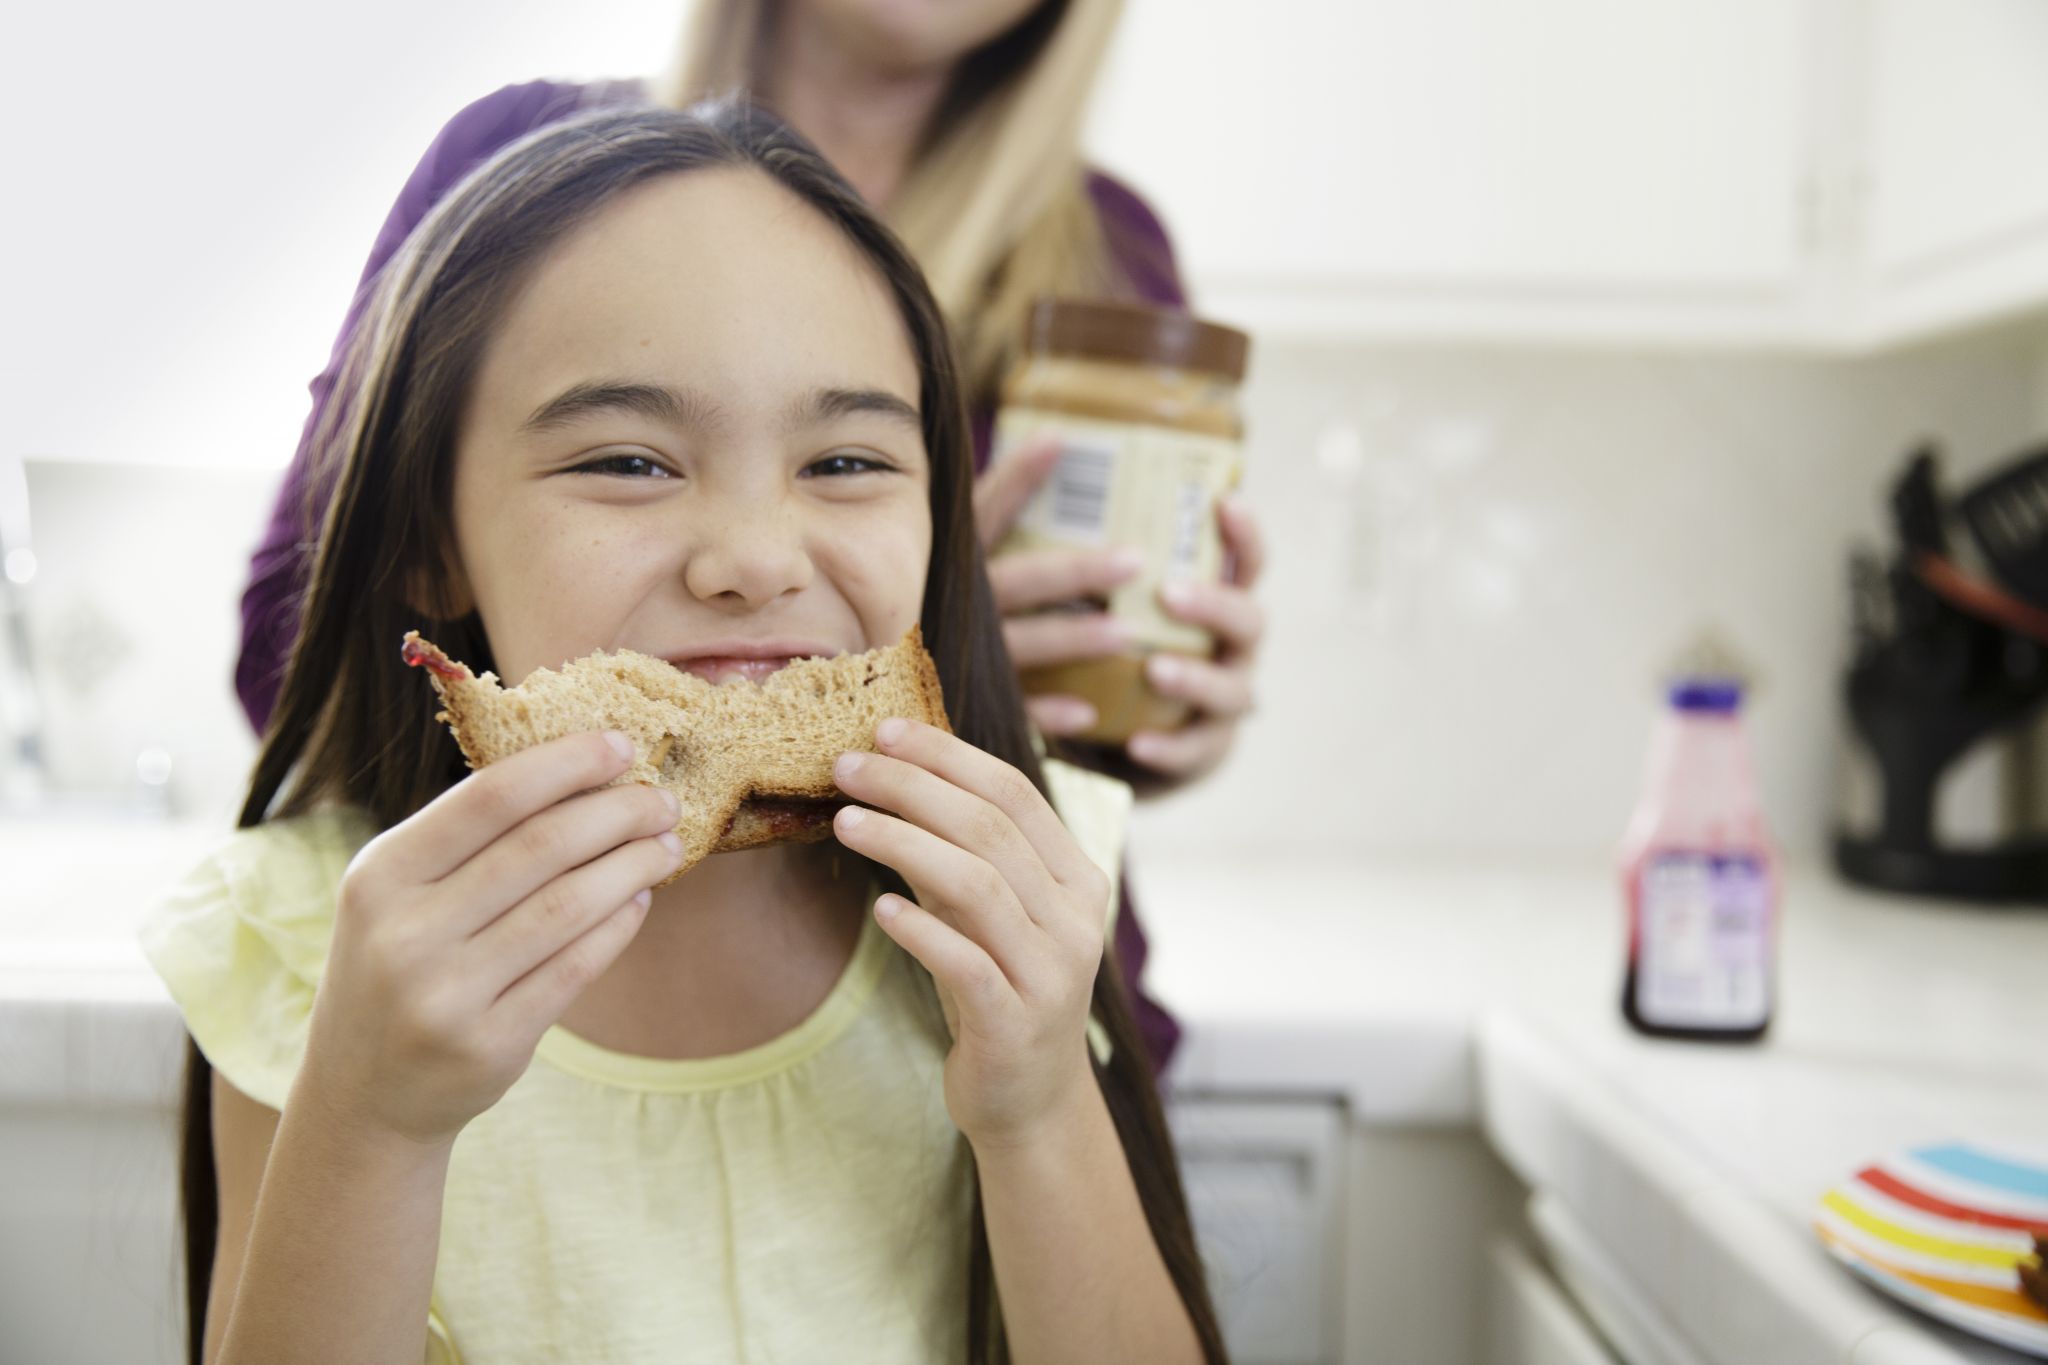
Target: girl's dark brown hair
353, 725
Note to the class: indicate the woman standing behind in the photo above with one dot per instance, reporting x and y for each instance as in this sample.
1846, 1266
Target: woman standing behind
962, 124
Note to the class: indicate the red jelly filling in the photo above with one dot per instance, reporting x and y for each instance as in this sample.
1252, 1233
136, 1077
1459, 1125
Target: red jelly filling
419, 654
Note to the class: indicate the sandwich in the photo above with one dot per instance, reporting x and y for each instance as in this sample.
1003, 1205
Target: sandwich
750, 763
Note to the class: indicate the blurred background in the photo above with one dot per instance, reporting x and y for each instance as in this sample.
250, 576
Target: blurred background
1581, 329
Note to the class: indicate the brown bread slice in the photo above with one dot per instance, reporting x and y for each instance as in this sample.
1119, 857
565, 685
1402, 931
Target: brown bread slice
750, 763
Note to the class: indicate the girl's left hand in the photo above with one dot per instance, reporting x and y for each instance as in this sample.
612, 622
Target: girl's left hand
1219, 689
1009, 920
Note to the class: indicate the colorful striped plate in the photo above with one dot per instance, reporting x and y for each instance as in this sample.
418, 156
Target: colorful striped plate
1944, 1229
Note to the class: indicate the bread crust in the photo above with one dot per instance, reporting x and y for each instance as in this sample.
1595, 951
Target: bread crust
750, 762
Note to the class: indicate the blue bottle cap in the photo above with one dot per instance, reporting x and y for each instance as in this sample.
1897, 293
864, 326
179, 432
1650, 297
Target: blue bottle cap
1716, 696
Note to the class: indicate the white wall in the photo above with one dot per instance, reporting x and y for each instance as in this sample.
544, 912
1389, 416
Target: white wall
1467, 633
199, 185
1537, 535
134, 617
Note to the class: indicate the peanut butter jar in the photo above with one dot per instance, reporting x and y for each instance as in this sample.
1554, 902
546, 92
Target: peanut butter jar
1144, 402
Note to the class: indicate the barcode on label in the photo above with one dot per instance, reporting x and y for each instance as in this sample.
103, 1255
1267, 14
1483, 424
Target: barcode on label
1188, 507
1080, 490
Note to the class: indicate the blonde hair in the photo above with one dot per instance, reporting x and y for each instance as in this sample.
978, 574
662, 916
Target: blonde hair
996, 208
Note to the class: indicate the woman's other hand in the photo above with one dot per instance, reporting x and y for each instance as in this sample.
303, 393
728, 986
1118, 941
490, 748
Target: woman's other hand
1027, 581
1219, 688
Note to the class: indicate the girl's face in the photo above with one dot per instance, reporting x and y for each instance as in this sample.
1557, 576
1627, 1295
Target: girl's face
695, 434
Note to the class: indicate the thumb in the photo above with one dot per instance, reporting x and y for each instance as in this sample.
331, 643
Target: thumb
1012, 477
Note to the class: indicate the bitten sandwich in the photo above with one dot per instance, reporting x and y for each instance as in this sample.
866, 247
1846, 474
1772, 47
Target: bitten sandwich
749, 762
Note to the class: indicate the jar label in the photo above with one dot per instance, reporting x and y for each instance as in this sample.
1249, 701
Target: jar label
1127, 483
1704, 922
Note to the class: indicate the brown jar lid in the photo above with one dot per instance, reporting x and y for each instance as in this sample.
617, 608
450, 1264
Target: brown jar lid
1138, 332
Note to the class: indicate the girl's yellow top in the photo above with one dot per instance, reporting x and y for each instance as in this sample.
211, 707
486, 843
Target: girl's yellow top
804, 1200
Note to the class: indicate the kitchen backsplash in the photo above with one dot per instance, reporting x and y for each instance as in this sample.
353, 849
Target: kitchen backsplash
135, 615
1481, 559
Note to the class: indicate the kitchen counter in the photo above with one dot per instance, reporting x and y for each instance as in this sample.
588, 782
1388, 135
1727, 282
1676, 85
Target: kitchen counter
1489, 993
1426, 995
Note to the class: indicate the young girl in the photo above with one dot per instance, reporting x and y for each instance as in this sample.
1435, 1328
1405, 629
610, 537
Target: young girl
960, 124
659, 381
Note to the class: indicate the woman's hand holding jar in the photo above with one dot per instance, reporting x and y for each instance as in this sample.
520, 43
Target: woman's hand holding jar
1122, 564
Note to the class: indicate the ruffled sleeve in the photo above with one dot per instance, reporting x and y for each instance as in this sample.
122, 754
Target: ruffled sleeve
1096, 810
241, 942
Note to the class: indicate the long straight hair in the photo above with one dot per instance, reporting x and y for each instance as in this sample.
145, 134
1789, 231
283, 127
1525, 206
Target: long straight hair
351, 726
995, 207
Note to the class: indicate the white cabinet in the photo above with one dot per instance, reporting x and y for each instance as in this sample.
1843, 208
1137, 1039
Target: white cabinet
1824, 175
1530, 1319
1639, 1331
1332, 1240
89, 1235
1264, 1186
1955, 221
1489, 165
90, 1248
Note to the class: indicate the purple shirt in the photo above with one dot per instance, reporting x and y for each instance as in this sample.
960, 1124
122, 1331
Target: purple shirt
278, 569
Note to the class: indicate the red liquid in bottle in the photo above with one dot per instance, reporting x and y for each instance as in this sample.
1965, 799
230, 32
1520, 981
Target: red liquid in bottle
1700, 879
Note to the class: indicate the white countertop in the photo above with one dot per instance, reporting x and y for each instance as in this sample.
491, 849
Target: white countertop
1431, 993
1426, 994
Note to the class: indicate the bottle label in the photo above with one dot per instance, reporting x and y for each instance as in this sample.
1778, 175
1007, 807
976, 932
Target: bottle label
1127, 483
1705, 941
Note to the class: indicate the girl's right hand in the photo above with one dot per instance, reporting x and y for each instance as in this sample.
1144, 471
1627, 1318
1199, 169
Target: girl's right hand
464, 932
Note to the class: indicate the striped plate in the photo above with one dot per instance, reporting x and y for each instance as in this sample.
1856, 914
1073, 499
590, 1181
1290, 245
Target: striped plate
1943, 1229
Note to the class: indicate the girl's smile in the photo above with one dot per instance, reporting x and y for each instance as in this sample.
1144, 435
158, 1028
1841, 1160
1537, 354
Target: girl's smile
721, 663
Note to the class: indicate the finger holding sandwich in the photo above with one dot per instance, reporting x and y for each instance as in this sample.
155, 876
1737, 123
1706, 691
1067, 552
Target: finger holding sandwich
1009, 920
1009, 912
465, 930
749, 762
